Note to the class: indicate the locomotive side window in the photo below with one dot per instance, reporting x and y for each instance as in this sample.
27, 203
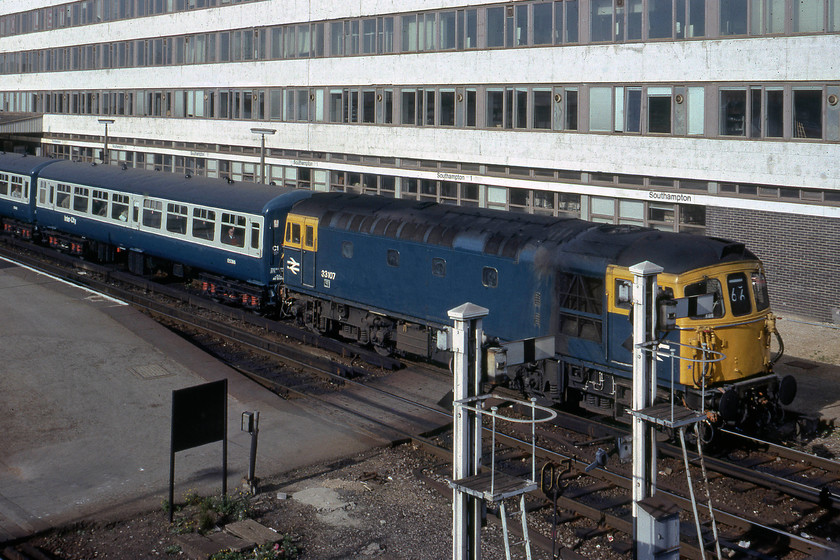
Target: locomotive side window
204, 224
347, 249
62, 197
119, 207
759, 284
739, 295
176, 218
489, 277
708, 286
393, 258
152, 213
99, 203
4, 184
439, 267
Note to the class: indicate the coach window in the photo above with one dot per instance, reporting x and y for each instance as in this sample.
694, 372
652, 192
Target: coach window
255, 235
152, 213
176, 218
4, 184
233, 229
204, 224
99, 203
119, 207
80, 199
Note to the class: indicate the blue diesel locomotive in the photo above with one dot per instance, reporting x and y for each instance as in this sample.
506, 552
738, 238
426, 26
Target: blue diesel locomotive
385, 272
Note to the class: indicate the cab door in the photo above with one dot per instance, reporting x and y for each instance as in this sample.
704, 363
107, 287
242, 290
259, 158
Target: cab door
300, 248
309, 249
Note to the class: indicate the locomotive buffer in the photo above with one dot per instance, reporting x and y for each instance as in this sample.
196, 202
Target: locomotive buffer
655, 520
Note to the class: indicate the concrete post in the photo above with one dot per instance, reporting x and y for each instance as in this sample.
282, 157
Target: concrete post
466, 368
644, 384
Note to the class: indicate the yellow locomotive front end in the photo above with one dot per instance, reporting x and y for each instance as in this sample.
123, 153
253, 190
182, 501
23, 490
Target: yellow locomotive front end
737, 323
730, 315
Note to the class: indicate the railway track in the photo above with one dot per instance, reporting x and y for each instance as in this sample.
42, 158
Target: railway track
362, 386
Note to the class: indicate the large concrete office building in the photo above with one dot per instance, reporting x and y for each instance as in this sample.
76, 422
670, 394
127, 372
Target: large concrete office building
718, 117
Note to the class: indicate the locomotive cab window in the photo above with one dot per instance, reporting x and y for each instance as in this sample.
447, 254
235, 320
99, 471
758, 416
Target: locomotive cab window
739, 295
623, 293
292, 233
759, 284
708, 286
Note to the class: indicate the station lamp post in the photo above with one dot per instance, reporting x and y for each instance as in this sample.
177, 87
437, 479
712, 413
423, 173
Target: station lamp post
106, 122
262, 132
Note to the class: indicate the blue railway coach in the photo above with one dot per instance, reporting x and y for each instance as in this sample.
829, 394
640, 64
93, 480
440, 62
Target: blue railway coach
160, 219
18, 174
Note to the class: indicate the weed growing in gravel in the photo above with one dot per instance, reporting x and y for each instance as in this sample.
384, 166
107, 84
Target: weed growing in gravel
284, 550
202, 513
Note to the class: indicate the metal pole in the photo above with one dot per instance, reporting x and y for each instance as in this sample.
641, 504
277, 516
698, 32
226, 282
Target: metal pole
106, 122
644, 383
262, 132
262, 158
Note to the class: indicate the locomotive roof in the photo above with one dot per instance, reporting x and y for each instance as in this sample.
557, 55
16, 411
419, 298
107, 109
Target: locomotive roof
218, 193
22, 163
507, 234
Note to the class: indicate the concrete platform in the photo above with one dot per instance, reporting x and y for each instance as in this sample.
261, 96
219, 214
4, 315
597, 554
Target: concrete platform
812, 356
86, 389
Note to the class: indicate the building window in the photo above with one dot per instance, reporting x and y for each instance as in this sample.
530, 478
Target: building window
659, 110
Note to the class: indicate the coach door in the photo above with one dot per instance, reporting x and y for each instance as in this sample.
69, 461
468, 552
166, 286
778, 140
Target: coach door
301, 247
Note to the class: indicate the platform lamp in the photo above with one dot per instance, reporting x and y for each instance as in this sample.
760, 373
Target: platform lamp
262, 132
106, 122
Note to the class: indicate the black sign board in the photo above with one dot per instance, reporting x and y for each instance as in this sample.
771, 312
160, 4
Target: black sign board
199, 415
